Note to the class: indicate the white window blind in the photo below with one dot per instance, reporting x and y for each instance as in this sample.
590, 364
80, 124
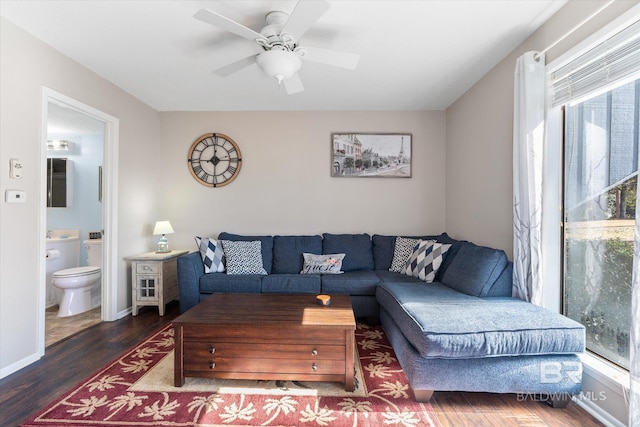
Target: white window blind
613, 60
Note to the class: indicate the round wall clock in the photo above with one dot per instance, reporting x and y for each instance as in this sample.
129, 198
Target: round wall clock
214, 160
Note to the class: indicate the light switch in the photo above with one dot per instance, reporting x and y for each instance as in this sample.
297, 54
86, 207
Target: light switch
15, 168
15, 196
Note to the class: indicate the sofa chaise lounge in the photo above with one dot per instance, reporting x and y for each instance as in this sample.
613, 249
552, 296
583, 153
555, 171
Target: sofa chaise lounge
463, 331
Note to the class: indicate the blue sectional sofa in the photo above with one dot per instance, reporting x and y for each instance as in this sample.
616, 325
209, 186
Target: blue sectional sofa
463, 331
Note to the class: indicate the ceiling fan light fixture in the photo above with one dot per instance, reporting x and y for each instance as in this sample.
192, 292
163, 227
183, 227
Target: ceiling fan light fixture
279, 64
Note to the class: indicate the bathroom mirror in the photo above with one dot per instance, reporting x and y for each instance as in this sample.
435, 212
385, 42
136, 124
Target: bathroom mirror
59, 182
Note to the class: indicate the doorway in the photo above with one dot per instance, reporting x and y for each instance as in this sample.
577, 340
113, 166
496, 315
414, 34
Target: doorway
58, 109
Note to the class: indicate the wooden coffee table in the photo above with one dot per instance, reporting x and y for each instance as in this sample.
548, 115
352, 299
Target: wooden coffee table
266, 337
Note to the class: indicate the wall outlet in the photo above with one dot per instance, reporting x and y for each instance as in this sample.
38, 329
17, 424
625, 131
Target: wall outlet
15, 168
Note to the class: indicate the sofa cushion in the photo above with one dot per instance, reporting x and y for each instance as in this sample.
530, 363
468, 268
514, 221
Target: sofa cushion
391, 277
218, 282
503, 286
402, 252
393, 294
356, 247
243, 257
266, 243
474, 269
211, 253
426, 259
291, 284
439, 325
288, 250
382, 248
352, 283
322, 264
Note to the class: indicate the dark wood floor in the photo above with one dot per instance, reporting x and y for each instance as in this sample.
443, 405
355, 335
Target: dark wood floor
70, 361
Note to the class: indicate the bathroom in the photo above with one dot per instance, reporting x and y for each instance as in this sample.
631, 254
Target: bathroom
74, 217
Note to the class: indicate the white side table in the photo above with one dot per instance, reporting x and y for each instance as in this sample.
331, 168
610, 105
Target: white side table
154, 279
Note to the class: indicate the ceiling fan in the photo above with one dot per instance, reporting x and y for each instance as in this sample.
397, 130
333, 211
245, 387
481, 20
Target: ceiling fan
281, 54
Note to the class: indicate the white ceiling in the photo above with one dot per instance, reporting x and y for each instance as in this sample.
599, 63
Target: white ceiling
415, 55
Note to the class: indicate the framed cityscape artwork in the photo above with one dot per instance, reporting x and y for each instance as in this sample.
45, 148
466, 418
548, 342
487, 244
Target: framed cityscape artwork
371, 155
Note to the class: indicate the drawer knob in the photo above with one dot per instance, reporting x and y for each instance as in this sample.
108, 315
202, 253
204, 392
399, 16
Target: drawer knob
212, 350
212, 365
314, 352
146, 267
314, 367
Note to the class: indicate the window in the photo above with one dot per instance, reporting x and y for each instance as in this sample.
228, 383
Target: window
601, 137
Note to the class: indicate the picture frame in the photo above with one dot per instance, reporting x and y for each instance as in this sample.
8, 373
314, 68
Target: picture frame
371, 155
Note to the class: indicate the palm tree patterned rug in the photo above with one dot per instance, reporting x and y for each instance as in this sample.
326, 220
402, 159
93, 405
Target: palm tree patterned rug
137, 390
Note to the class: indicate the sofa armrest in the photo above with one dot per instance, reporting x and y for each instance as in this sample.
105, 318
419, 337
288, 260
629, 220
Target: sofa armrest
190, 269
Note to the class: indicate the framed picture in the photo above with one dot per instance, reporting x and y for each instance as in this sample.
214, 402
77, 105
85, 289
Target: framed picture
371, 155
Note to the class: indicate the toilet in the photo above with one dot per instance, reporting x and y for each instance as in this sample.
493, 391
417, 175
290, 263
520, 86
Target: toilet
78, 282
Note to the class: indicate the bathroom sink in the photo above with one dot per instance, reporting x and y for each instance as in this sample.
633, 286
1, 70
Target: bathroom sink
60, 239
62, 234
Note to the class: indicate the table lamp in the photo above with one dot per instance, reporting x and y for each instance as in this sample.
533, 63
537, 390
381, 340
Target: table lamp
162, 227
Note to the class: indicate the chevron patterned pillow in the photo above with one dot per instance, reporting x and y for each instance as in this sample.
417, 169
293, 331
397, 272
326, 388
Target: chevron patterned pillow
243, 257
401, 253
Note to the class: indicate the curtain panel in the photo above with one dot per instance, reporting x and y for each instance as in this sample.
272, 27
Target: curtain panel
528, 155
634, 367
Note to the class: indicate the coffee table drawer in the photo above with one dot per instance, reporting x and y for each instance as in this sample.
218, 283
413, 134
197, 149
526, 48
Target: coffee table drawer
267, 366
280, 335
207, 350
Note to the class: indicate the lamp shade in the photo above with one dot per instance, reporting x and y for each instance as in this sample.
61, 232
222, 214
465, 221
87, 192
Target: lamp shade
162, 227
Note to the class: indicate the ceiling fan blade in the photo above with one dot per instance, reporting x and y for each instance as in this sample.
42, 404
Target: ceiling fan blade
331, 57
303, 16
225, 23
235, 66
293, 84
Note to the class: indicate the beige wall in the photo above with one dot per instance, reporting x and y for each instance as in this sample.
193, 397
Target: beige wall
285, 187
479, 164
26, 65
480, 133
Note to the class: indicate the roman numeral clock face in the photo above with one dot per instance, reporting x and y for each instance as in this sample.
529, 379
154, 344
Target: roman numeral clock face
214, 160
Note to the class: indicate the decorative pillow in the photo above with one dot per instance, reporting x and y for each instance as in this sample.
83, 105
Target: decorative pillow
322, 264
402, 252
426, 259
243, 257
212, 254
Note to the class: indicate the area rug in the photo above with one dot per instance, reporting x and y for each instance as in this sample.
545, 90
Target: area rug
137, 390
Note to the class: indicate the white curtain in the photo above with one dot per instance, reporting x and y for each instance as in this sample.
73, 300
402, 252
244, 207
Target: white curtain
528, 147
634, 371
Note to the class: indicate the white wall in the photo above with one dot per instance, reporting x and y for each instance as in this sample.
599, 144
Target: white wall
26, 65
285, 187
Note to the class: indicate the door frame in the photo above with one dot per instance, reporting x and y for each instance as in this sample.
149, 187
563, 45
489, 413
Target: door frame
109, 206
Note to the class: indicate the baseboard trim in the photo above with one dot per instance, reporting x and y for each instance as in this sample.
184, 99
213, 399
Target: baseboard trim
123, 313
597, 412
603, 392
22, 363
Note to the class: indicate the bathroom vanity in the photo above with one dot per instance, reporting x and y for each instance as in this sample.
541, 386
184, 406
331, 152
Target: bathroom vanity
154, 279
